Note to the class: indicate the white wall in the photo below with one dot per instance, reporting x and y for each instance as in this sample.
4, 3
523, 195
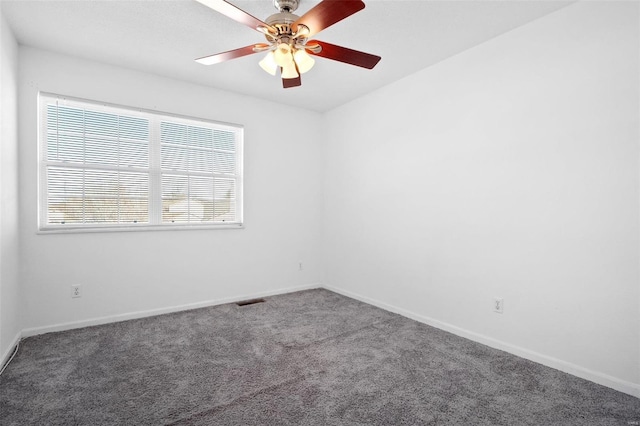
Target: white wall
128, 272
10, 324
510, 170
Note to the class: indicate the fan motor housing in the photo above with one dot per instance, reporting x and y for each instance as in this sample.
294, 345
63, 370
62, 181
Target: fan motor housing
281, 19
282, 22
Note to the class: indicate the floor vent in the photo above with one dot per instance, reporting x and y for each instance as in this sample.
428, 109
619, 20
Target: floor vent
249, 302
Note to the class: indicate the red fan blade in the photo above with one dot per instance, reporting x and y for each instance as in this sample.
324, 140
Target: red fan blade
327, 13
343, 54
235, 13
231, 54
291, 82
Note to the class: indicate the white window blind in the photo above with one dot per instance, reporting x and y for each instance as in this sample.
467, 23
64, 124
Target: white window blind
108, 167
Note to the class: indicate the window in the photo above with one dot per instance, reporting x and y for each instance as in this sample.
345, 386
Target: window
109, 167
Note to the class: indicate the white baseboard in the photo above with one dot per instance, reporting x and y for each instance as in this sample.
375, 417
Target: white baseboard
151, 312
7, 354
564, 366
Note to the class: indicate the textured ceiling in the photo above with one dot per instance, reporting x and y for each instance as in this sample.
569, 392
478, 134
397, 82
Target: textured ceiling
164, 38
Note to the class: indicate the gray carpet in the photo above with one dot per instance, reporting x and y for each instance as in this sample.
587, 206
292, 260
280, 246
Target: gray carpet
306, 358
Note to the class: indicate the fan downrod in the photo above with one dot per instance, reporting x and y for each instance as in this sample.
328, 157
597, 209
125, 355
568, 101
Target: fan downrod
286, 5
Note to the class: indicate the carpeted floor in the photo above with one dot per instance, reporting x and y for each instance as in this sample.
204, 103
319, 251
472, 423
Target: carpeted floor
306, 358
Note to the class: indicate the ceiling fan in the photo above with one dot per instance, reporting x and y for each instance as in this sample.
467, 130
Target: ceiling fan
288, 37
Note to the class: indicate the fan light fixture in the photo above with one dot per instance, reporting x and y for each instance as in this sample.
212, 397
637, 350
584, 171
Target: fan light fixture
292, 61
283, 54
269, 63
303, 60
289, 71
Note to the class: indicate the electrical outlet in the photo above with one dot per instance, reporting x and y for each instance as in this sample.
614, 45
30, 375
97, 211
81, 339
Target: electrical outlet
75, 291
300, 266
498, 305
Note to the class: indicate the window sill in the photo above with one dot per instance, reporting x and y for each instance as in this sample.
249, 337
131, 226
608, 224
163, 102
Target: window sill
140, 228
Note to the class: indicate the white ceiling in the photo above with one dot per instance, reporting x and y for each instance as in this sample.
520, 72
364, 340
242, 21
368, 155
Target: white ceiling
164, 38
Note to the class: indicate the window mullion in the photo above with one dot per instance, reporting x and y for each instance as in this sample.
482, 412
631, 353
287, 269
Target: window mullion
84, 173
239, 173
155, 178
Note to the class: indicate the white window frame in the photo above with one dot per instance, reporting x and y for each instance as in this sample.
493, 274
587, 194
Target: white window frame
154, 168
